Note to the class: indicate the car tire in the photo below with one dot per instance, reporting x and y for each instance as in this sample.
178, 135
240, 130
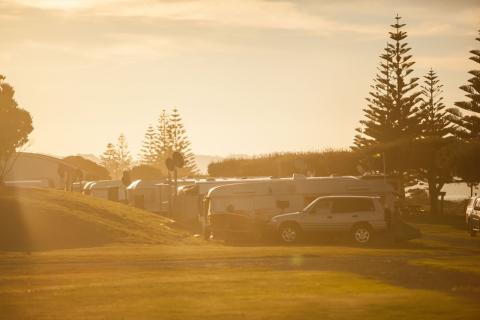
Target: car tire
290, 233
362, 234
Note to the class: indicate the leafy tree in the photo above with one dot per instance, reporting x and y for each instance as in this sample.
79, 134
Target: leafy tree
124, 157
15, 126
110, 160
92, 170
146, 172
469, 121
325, 163
467, 160
148, 153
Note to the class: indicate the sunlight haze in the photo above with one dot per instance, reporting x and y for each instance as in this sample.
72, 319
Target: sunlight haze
247, 76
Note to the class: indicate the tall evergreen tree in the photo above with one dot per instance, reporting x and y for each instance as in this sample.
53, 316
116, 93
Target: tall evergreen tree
433, 150
163, 143
434, 119
378, 125
148, 152
468, 122
179, 142
124, 157
109, 159
392, 112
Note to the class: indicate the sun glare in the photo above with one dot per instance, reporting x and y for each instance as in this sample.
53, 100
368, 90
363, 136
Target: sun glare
58, 4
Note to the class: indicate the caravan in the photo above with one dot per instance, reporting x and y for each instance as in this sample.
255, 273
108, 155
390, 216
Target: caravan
189, 204
243, 208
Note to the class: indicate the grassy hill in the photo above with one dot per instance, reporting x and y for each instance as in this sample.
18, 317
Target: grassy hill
40, 219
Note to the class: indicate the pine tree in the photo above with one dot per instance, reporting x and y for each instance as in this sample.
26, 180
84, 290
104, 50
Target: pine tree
179, 142
378, 127
392, 111
434, 119
110, 161
124, 157
468, 123
163, 143
148, 153
433, 149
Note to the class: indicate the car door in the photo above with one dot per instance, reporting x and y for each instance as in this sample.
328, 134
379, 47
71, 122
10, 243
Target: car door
315, 218
348, 211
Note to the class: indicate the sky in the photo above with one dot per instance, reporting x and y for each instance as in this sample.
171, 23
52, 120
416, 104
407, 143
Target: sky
248, 76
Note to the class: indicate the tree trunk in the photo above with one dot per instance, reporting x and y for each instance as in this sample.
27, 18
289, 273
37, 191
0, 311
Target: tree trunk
433, 194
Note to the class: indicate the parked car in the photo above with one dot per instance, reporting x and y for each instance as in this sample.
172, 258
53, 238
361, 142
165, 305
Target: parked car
361, 216
472, 216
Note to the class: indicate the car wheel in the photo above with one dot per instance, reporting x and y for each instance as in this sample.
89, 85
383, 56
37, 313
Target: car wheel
362, 234
289, 233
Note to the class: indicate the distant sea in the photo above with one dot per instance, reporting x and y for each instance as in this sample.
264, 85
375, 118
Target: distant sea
458, 191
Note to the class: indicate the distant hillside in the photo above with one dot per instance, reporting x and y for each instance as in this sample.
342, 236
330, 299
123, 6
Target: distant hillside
40, 219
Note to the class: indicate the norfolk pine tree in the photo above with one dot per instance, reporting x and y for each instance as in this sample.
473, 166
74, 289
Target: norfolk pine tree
433, 150
392, 114
148, 152
468, 127
110, 160
124, 157
179, 142
468, 122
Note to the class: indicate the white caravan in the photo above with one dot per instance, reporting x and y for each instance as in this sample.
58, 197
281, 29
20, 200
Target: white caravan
148, 194
189, 206
113, 190
243, 208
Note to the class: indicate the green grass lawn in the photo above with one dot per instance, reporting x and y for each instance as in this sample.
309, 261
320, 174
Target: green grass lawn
144, 275
421, 280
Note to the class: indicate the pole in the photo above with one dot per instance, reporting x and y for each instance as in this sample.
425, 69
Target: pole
175, 191
384, 167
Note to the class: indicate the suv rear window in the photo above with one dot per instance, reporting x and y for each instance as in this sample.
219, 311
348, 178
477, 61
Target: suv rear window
346, 205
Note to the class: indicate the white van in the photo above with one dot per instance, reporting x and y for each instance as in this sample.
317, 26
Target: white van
243, 208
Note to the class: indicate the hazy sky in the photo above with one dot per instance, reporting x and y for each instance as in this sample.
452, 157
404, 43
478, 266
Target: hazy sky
248, 76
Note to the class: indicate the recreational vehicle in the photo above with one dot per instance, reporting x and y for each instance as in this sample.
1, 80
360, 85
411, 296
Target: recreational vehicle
147, 194
243, 208
112, 190
189, 205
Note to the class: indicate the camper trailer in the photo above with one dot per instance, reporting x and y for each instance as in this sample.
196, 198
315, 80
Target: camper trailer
189, 205
147, 194
243, 208
112, 190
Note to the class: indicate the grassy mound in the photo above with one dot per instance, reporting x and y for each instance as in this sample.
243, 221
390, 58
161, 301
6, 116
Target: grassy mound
40, 219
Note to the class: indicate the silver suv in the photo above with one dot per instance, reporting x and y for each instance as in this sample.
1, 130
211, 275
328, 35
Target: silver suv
361, 216
472, 216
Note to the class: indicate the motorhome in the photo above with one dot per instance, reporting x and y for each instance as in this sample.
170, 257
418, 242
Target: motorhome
243, 208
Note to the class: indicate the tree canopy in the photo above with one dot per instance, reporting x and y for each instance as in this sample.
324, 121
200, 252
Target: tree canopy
15, 126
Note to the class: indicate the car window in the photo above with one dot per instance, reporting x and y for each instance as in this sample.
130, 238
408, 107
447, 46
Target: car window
470, 203
347, 205
322, 205
477, 204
